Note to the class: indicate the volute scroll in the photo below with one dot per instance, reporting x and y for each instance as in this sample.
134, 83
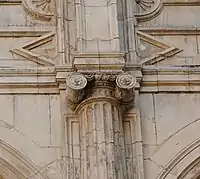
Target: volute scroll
76, 83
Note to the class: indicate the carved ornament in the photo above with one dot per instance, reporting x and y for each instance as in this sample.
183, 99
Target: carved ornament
148, 9
40, 9
167, 49
76, 83
119, 87
145, 4
125, 81
26, 52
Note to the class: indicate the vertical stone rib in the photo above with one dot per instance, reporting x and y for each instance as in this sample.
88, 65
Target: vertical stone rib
101, 146
100, 141
109, 138
83, 141
96, 114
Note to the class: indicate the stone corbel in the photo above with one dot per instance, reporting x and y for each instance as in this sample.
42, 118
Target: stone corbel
84, 86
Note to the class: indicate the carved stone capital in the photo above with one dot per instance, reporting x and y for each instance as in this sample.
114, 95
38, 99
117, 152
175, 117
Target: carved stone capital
119, 87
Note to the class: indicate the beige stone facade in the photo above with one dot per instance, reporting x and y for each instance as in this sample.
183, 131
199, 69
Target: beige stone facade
99, 89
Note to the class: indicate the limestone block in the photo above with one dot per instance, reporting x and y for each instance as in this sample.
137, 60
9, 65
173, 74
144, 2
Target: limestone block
178, 60
55, 121
176, 109
151, 169
11, 43
70, 13
149, 150
73, 147
98, 45
7, 105
173, 16
99, 62
15, 18
98, 28
72, 41
187, 43
33, 117
95, 2
148, 119
182, 151
24, 145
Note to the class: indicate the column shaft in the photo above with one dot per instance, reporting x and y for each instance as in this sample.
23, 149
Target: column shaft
102, 141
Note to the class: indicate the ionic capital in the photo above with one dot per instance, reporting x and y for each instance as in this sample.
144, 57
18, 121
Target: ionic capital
118, 86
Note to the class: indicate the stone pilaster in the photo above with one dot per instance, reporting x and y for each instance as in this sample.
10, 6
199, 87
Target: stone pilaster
99, 100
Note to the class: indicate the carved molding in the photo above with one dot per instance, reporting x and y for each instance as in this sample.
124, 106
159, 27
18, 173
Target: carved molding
40, 9
100, 85
145, 4
22, 167
149, 9
176, 166
167, 50
181, 3
168, 79
25, 50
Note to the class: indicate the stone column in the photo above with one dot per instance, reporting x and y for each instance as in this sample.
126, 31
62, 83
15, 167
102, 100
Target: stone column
99, 101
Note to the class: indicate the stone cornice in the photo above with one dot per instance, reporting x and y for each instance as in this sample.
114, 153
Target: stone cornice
53, 79
25, 31
170, 79
179, 69
181, 3
162, 31
10, 2
47, 79
33, 80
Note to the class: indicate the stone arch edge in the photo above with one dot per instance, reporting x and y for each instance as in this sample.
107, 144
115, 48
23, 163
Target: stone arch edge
180, 164
186, 150
20, 161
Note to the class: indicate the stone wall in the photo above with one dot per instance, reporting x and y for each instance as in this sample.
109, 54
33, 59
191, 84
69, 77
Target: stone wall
168, 49
170, 124
99, 89
30, 135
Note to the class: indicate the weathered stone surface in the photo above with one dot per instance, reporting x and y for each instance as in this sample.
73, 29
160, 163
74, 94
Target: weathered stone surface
99, 89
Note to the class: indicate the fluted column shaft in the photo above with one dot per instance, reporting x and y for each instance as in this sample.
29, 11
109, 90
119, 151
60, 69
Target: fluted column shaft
102, 142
